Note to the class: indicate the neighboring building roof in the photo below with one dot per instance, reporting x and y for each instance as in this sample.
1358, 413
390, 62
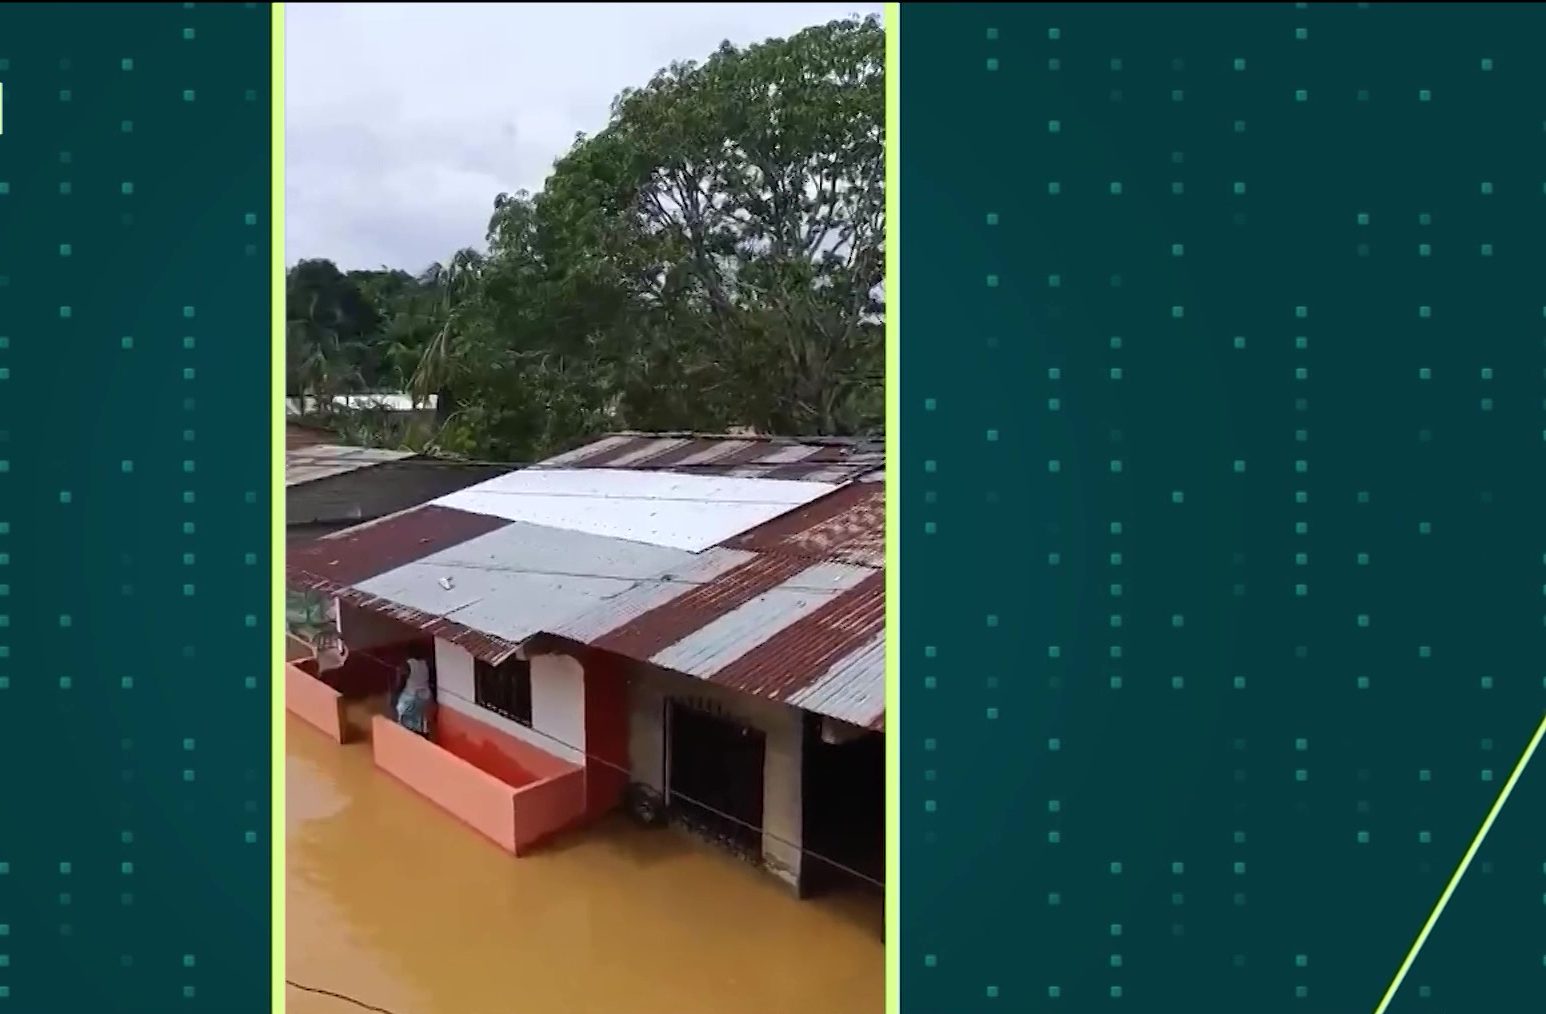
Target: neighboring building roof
322, 461
811, 459
383, 488
390, 401
774, 589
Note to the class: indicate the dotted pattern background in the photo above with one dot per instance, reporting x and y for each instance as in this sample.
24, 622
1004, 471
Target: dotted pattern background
1225, 563
134, 508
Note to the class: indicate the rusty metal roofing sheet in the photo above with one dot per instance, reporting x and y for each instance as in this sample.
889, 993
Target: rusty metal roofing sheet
847, 525
812, 459
358, 553
796, 616
811, 638
793, 656
727, 638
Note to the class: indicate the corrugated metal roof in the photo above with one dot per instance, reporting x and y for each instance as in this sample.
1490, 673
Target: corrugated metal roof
489, 648
791, 610
847, 525
799, 618
689, 512
365, 494
361, 552
320, 461
524, 579
729, 637
812, 459
853, 685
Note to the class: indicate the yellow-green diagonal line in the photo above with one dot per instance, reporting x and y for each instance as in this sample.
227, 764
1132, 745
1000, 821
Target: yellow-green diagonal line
1465, 864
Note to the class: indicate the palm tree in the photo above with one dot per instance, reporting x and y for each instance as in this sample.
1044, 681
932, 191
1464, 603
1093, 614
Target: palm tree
445, 360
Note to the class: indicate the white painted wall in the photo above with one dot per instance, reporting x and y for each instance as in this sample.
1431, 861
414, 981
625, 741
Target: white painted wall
557, 700
782, 822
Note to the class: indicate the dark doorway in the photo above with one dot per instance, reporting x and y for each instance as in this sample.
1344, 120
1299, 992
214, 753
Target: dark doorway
843, 792
714, 781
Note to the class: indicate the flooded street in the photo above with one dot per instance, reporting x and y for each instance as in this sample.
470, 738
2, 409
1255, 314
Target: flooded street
397, 905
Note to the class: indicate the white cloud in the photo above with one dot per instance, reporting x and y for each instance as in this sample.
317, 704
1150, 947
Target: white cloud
403, 121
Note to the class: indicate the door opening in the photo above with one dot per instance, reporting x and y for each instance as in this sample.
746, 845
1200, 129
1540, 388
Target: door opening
843, 793
714, 779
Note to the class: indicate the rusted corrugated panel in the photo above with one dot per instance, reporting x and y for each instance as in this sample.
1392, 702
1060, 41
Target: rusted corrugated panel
651, 632
848, 524
794, 657
356, 554
619, 617
799, 616
723, 642
832, 459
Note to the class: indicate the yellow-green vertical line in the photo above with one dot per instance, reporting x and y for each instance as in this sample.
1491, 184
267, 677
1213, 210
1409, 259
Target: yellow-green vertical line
893, 297
276, 214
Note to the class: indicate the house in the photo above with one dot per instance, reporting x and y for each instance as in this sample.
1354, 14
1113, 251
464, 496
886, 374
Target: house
329, 487
686, 622
394, 402
384, 417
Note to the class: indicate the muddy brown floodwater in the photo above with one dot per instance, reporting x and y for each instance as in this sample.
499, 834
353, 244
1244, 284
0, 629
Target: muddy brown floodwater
394, 903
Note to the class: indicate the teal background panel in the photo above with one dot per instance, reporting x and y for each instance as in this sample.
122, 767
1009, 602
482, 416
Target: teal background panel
134, 508
1224, 415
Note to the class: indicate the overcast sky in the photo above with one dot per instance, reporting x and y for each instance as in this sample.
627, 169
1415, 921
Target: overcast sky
403, 121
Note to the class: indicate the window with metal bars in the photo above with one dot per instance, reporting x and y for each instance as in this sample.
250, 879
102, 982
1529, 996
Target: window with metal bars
504, 689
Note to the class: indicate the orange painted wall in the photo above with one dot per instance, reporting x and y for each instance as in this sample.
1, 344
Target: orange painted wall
497, 753
517, 819
316, 703
542, 809
479, 800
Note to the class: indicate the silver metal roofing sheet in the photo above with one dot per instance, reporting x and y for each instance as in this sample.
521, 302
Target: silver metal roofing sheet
689, 512
853, 690
524, 579
620, 610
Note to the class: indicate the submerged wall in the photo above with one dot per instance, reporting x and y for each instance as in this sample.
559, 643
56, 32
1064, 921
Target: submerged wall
517, 818
315, 703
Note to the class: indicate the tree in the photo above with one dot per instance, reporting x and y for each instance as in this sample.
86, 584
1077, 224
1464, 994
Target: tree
452, 352
711, 258
327, 321
740, 207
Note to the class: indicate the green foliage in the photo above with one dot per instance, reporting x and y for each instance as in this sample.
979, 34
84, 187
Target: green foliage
712, 258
